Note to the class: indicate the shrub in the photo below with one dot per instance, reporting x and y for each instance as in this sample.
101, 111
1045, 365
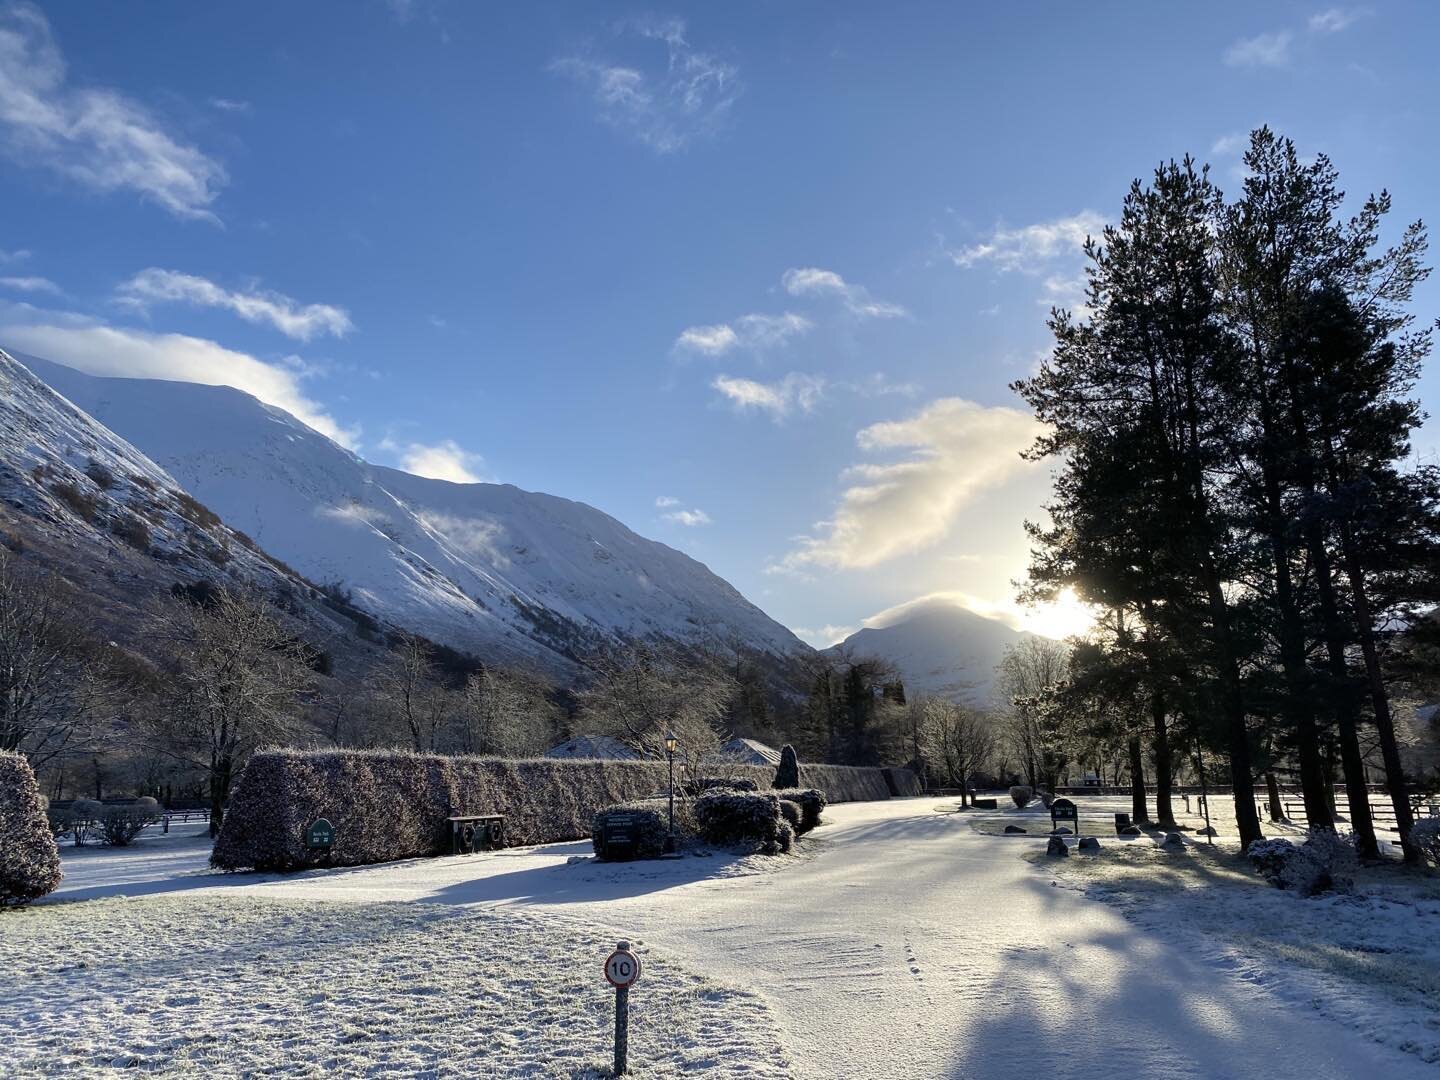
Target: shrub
104, 479
649, 827
717, 783
29, 859
743, 819
1022, 795
120, 825
787, 775
1046, 797
1425, 834
811, 804
901, 782
1323, 862
82, 504
790, 811
132, 530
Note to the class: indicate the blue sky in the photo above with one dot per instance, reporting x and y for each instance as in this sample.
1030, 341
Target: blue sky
753, 278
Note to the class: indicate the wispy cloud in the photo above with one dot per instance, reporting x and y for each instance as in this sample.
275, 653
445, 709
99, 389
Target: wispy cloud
30, 285
96, 136
824, 636
115, 351
230, 105
665, 108
663, 501
293, 319
752, 332
796, 391
445, 460
1335, 19
1031, 248
689, 518
1262, 50
10, 258
812, 281
954, 449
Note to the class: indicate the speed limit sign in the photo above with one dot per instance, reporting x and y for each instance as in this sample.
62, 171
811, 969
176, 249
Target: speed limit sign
622, 968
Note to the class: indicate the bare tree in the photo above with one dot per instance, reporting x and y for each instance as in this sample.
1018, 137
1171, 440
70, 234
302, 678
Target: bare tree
956, 740
501, 712
1028, 671
642, 695
56, 699
237, 680
406, 694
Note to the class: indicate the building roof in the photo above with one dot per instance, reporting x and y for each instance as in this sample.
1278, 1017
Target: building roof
750, 752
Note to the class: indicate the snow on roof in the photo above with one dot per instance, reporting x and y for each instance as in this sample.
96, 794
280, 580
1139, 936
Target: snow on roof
593, 746
750, 752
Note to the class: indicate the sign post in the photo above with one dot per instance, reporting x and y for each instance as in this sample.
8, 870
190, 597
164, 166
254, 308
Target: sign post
320, 836
622, 968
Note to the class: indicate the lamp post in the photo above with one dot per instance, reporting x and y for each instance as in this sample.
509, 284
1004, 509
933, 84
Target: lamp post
671, 743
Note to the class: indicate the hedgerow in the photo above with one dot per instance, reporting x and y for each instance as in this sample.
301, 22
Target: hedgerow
388, 805
743, 819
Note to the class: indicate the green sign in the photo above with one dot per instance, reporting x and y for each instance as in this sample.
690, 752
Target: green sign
321, 834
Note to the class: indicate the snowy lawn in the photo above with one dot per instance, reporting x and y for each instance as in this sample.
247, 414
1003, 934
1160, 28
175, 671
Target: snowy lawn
1369, 959
206, 985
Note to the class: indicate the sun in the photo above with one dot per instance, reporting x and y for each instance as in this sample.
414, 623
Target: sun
1062, 617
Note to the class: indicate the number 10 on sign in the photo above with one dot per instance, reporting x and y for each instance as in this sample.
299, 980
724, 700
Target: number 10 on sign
622, 967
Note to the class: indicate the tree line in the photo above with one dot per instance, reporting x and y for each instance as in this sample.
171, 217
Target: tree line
1229, 416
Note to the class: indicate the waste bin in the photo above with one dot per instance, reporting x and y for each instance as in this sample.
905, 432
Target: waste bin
1122, 822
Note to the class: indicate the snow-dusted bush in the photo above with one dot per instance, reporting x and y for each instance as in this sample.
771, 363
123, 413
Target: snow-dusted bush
1046, 797
720, 783
1425, 834
649, 825
811, 804
1022, 795
389, 805
29, 860
790, 811
84, 817
1325, 861
120, 825
742, 818
902, 782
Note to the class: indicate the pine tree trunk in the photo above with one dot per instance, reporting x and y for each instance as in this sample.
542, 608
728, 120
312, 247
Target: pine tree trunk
1139, 812
1272, 792
1164, 765
1380, 700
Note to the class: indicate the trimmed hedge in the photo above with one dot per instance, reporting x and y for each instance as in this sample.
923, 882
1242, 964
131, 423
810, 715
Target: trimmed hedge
902, 782
809, 804
388, 805
743, 819
29, 859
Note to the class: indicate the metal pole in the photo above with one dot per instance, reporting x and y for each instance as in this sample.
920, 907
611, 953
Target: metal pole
622, 1030
670, 836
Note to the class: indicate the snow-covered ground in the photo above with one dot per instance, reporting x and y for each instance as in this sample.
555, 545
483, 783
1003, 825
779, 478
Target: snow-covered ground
906, 944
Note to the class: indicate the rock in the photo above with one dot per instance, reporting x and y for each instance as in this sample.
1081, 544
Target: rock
1011, 829
1089, 843
1056, 847
1173, 840
1061, 831
1130, 830
1208, 830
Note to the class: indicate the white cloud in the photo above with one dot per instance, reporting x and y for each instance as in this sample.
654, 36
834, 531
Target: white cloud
666, 500
95, 136
878, 384
779, 399
1029, 248
1263, 50
17, 256
30, 284
825, 636
229, 105
1230, 145
139, 354
688, 518
665, 108
445, 460
955, 450
299, 321
812, 281
753, 332
1335, 19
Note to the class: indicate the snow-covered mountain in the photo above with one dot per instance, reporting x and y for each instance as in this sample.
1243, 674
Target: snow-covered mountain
486, 568
940, 650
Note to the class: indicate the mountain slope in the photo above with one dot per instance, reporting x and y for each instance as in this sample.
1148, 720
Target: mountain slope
482, 567
940, 650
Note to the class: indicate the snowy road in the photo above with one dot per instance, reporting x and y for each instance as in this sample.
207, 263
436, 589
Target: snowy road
907, 946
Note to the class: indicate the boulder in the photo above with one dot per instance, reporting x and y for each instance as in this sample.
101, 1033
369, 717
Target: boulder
1056, 846
1130, 830
1089, 843
1012, 829
1061, 831
1173, 840
1208, 830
